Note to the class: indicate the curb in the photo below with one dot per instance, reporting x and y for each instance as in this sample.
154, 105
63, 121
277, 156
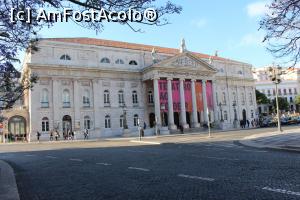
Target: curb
145, 142
282, 149
8, 186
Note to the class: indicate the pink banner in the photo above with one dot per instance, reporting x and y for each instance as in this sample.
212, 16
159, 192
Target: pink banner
176, 96
209, 95
163, 94
188, 96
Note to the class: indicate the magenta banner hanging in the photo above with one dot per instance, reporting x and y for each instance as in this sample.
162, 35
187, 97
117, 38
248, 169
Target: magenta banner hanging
209, 94
176, 95
163, 94
188, 96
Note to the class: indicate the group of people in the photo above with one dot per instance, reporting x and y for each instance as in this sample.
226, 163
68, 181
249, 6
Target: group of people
67, 134
246, 123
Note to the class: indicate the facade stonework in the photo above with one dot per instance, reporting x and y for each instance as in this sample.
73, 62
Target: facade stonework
95, 84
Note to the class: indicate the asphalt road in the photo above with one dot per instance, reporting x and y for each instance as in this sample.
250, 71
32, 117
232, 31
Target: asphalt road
187, 169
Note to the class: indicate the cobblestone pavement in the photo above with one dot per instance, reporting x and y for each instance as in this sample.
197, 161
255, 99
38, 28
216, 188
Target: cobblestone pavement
186, 169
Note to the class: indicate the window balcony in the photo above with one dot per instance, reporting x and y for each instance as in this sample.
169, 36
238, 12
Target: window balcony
107, 104
44, 104
66, 104
86, 104
135, 104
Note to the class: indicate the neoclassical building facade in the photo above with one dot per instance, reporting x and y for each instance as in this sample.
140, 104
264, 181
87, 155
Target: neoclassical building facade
104, 85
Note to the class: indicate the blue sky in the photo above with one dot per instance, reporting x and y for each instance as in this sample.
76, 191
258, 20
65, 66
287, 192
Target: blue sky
231, 27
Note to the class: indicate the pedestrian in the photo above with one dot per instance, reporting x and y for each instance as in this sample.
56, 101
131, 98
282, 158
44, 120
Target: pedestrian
38, 135
248, 123
72, 135
86, 134
56, 135
145, 125
51, 136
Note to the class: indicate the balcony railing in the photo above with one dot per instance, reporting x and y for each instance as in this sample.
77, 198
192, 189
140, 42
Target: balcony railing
86, 104
66, 104
45, 104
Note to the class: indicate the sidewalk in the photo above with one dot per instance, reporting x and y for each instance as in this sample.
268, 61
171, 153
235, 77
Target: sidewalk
8, 186
288, 140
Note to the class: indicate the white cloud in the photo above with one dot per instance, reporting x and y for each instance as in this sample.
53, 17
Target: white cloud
251, 39
200, 23
257, 9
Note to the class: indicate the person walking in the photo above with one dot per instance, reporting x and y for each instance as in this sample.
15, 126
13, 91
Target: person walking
56, 135
51, 136
38, 135
248, 123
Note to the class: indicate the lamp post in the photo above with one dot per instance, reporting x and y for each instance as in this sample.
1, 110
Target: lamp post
125, 127
208, 123
235, 114
274, 75
162, 108
221, 111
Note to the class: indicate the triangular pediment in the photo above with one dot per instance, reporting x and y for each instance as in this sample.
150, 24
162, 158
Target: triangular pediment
187, 61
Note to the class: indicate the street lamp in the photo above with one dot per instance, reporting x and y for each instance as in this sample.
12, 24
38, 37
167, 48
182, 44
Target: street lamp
162, 108
221, 111
235, 114
125, 127
274, 75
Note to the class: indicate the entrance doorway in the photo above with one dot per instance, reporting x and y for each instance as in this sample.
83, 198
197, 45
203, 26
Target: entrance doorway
176, 119
66, 123
188, 119
151, 120
16, 128
244, 115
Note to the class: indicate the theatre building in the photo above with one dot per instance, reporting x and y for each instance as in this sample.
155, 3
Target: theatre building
103, 85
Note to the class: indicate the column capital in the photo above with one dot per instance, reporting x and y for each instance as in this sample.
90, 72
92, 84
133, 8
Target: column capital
193, 80
182, 79
204, 81
155, 78
170, 78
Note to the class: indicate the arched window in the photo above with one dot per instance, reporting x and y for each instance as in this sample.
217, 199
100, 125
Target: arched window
243, 98
150, 97
234, 97
45, 98
87, 122
107, 121
45, 124
225, 115
105, 60
132, 62
119, 62
250, 98
65, 57
135, 120
224, 98
106, 97
134, 97
66, 99
121, 121
121, 97
86, 98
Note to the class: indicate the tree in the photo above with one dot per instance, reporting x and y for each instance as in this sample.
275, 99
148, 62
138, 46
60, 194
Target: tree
261, 98
21, 35
297, 100
282, 26
283, 103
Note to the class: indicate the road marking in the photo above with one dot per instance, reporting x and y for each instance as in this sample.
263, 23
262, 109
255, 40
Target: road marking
282, 191
75, 159
136, 151
105, 164
196, 177
30, 155
217, 158
255, 151
222, 158
140, 169
53, 157
144, 142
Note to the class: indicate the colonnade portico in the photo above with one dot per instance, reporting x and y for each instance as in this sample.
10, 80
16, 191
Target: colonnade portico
183, 119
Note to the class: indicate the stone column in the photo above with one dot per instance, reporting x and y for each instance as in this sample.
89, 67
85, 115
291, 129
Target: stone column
156, 102
172, 125
76, 105
204, 101
96, 101
182, 105
194, 99
215, 103
56, 104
